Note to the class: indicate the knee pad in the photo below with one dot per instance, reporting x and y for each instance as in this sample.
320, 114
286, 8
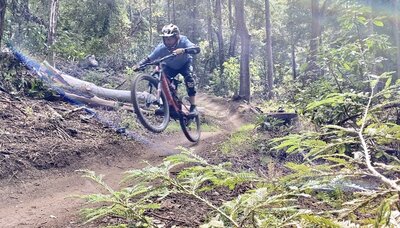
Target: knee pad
191, 91
191, 86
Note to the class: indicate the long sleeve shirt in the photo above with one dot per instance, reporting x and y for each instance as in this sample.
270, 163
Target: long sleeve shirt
180, 60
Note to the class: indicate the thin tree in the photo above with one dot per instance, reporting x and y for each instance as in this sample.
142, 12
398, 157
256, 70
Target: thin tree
232, 27
169, 10
291, 25
218, 16
150, 23
244, 87
204, 80
194, 21
315, 32
269, 60
3, 6
51, 36
194, 11
209, 24
396, 31
173, 12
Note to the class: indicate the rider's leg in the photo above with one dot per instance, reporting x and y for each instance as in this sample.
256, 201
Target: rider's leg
187, 72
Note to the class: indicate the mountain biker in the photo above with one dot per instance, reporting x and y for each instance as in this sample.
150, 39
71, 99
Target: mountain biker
174, 42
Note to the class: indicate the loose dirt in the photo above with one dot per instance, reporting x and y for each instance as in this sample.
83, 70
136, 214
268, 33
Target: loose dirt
43, 143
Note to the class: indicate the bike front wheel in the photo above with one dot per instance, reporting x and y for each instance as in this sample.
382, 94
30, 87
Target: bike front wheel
190, 124
151, 111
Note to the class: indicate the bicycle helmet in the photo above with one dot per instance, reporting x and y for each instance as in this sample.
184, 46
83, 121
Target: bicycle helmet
170, 35
170, 30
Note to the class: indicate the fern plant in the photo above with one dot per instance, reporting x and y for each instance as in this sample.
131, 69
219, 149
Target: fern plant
146, 186
352, 157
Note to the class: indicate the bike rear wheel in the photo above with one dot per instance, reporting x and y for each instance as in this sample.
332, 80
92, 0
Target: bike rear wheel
190, 124
153, 113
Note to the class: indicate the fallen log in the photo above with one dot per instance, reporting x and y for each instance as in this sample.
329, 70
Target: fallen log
98, 102
75, 89
90, 88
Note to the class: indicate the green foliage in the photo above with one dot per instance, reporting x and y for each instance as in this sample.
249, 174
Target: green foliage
242, 138
70, 46
262, 208
208, 127
16, 79
118, 204
228, 82
148, 184
332, 157
173, 127
320, 221
383, 217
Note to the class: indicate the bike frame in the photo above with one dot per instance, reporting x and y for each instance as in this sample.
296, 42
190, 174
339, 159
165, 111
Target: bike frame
164, 85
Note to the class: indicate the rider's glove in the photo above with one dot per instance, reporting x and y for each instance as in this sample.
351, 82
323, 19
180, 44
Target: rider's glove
179, 51
137, 67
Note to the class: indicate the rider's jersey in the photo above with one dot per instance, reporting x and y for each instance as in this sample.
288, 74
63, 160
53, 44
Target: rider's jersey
180, 60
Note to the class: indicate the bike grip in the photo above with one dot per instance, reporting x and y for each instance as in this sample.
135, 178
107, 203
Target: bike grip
140, 68
192, 50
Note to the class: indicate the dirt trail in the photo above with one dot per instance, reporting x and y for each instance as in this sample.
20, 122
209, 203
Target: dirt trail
44, 202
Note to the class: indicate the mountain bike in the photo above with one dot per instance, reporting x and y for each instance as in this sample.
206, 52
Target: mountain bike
156, 100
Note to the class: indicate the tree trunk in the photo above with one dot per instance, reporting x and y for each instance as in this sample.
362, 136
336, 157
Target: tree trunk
173, 12
371, 31
51, 36
3, 7
169, 10
204, 80
150, 24
194, 30
269, 60
244, 90
218, 16
294, 73
315, 32
209, 25
291, 26
232, 27
396, 31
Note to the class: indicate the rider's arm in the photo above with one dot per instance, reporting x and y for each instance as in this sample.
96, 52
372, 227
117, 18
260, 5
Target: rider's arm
192, 50
157, 53
144, 61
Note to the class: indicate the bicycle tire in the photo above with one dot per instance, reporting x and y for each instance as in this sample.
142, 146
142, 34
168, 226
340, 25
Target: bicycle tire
191, 127
146, 112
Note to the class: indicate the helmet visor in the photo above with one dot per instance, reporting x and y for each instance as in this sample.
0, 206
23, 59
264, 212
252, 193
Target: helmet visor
167, 35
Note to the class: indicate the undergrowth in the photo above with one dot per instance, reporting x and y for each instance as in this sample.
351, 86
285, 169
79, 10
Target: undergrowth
346, 177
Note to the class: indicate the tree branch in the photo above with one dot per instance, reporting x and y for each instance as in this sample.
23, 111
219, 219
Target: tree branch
367, 154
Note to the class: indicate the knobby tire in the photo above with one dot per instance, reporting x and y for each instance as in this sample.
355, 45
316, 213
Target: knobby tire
144, 120
191, 131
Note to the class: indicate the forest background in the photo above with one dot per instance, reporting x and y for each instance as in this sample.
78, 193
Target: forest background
335, 62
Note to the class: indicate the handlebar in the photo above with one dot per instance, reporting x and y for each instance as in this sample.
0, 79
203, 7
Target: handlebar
156, 62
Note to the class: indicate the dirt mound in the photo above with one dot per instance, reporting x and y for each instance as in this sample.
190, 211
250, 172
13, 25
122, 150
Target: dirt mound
38, 135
